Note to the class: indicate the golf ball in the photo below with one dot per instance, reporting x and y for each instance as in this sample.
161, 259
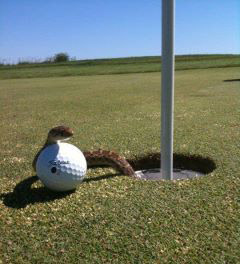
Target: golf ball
61, 167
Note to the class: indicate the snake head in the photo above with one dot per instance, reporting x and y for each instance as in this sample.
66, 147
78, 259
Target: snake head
59, 133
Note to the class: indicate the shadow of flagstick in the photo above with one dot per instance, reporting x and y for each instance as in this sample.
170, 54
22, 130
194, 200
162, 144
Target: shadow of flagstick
232, 80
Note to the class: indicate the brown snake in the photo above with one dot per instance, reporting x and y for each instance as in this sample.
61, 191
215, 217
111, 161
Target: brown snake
93, 158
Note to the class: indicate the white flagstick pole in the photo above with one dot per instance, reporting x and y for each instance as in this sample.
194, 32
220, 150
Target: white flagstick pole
167, 99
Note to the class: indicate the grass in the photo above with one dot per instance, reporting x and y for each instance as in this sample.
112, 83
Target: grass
112, 218
115, 66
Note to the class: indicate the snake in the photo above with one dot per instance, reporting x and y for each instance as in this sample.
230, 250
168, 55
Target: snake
94, 158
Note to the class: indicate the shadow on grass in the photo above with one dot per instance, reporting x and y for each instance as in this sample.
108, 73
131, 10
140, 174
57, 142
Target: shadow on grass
23, 193
232, 80
103, 177
180, 161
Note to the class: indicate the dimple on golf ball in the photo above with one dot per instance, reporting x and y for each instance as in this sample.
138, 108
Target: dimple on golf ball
61, 167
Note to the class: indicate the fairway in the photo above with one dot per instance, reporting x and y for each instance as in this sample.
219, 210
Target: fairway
114, 66
112, 218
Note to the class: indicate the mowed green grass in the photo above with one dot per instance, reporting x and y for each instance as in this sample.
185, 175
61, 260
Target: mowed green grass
115, 66
112, 218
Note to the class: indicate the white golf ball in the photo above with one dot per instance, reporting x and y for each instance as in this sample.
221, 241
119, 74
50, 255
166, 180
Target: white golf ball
61, 167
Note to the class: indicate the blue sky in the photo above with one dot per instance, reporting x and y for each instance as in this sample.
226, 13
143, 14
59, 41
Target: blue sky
110, 28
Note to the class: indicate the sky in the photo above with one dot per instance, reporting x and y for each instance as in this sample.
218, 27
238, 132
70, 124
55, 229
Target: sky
88, 29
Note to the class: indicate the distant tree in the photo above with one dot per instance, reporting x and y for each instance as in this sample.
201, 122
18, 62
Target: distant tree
61, 57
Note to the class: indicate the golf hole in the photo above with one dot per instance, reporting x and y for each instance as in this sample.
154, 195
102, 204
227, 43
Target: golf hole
185, 166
